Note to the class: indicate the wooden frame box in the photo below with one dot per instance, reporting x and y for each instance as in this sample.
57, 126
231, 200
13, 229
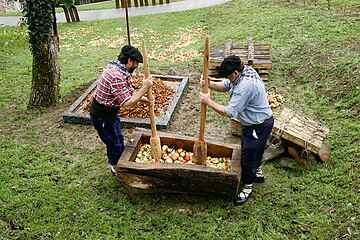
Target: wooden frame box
75, 113
174, 177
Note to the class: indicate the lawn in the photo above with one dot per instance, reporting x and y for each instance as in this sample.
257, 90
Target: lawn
56, 184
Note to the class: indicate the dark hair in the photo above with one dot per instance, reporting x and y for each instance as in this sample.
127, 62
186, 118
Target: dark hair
241, 67
123, 59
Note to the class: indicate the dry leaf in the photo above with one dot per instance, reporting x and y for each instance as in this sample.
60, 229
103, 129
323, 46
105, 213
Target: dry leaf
16, 186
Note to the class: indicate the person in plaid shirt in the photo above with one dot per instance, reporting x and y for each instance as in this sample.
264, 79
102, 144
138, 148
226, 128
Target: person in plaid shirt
114, 90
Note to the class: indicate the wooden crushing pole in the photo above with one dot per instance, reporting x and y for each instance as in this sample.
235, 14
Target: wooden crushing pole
154, 139
200, 146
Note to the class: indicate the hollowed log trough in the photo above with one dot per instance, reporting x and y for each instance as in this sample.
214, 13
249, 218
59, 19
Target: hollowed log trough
178, 178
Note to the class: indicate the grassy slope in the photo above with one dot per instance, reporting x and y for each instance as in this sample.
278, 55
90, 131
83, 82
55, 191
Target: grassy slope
54, 186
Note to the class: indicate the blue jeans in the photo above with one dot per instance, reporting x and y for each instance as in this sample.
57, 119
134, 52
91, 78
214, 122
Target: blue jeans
252, 148
110, 133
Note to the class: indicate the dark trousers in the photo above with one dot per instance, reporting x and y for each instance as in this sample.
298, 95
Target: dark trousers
110, 133
253, 148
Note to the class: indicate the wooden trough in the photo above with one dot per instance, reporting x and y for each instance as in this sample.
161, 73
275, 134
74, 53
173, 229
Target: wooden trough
255, 55
76, 114
174, 177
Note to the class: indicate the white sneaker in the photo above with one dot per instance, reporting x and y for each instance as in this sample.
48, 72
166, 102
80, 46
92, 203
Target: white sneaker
112, 169
259, 178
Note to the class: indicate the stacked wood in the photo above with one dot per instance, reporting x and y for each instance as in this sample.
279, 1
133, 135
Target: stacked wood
303, 132
172, 177
255, 55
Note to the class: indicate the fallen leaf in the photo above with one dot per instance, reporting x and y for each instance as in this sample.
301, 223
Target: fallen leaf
190, 212
16, 186
306, 229
3, 223
23, 175
181, 210
332, 210
13, 226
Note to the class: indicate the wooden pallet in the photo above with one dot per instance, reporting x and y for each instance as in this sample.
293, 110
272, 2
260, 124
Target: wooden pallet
255, 55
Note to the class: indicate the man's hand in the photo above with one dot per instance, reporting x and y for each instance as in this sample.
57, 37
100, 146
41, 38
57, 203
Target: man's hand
146, 100
205, 98
202, 81
147, 83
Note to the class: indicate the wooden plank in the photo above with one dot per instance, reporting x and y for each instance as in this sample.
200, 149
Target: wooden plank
250, 52
136, 3
123, 3
167, 1
236, 161
141, 3
146, 2
227, 50
153, 2
262, 71
187, 178
117, 3
161, 1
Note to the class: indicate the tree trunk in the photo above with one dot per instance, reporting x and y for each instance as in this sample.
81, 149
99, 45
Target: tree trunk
46, 74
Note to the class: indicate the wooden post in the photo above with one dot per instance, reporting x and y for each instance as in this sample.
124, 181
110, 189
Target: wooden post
117, 4
136, 3
228, 47
66, 12
153, 2
251, 50
146, 2
127, 20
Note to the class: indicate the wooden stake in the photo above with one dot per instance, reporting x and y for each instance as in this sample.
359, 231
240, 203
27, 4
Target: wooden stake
200, 146
127, 20
154, 139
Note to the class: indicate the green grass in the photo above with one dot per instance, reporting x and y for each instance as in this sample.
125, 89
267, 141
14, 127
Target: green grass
54, 180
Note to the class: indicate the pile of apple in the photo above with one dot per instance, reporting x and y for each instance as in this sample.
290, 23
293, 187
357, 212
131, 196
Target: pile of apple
172, 155
275, 100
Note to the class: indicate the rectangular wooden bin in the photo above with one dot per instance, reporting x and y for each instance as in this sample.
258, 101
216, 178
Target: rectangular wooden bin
75, 113
174, 177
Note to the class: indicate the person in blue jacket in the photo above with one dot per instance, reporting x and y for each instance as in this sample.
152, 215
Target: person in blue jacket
249, 105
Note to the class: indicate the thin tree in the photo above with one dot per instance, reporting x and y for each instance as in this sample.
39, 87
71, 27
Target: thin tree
44, 45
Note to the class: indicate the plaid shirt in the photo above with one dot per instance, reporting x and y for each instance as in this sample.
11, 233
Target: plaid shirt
113, 87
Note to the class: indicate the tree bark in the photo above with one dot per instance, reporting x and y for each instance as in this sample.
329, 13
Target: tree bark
46, 74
